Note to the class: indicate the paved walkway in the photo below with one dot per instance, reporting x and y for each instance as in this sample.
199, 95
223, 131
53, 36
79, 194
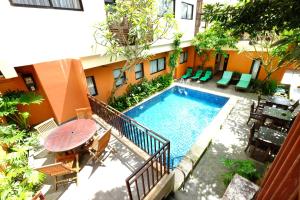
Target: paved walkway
205, 182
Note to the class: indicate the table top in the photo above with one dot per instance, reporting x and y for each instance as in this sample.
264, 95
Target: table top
270, 135
277, 100
277, 113
70, 135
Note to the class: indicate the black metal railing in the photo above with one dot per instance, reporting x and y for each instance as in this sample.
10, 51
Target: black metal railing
142, 180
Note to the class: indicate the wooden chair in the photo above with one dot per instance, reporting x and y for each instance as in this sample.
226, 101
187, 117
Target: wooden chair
255, 115
257, 144
261, 103
45, 128
63, 165
294, 106
99, 144
84, 113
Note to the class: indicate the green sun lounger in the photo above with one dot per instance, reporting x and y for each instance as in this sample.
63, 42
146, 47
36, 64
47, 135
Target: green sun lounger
188, 73
197, 75
224, 81
244, 82
207, 76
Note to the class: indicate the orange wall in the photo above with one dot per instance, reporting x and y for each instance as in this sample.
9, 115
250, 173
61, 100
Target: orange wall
181, 68
240, 62
38, 112
65, 87
104, 79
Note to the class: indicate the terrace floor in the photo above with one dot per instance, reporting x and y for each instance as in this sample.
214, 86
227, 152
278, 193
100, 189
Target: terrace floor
108, 181
101, 182
205, 182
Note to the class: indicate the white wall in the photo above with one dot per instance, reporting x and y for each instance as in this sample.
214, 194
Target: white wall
33, 35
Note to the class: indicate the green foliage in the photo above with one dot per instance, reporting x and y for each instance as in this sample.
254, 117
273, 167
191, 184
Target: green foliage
130, 28
17, 179
245, 168
266, 87
214, 38
10, 101
139, 91
173, 61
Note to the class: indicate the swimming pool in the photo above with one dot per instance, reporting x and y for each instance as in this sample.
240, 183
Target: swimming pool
179, 114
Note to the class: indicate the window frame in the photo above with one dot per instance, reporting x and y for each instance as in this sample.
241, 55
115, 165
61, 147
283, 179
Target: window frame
186, 17
94, 85
157, 65
47, 7
141, 71
185, 57
123, 78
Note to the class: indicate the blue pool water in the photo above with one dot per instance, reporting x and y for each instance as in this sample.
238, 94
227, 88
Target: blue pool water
180, 115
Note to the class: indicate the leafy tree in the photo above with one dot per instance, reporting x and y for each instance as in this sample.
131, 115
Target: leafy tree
260, 20
131, 27
173, 61
10, 101
214, 38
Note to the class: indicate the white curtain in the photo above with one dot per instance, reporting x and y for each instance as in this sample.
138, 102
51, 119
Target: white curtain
32, 2
153, 66
91, 85
66, 4
161, 64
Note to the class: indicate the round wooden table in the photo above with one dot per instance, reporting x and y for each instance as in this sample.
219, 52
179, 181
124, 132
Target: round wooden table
70, 135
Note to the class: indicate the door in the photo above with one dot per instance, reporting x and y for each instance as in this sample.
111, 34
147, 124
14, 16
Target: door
221, 62
256, 64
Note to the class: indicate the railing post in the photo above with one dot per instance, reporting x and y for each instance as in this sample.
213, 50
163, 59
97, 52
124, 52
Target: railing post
129, 190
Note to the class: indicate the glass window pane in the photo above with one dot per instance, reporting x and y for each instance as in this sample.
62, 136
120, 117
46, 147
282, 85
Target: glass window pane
66, 4
183, 10
116, 73
185, 56
138, 67
190, 12
31, 2
181, 58
153, 66
138, 75
91, 86
161, 64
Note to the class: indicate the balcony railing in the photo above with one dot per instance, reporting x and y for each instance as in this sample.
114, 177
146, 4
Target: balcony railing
142, 180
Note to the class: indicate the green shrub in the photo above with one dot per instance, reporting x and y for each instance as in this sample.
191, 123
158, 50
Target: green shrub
267, 87
141, 90
245, 168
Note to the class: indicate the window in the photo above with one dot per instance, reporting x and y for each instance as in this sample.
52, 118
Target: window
186, 11
110, 2
166, 6
91, 85
139, 71
119, 81
157, 65
57, 4
183, 57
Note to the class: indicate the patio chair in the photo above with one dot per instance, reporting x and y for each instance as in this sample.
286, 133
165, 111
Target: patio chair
226, 77
294, 106
197, 75
207, 76
257, 144
84, 113
244, 82
44, 129
98, 146
64, 165
261, 103
188, 73
255, 115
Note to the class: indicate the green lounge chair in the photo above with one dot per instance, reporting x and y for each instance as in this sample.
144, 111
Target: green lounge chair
224, 81
188, 73
197, 75
244, 82
207, 76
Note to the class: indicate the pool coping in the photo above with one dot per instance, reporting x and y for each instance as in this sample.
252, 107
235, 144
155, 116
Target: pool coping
189, 161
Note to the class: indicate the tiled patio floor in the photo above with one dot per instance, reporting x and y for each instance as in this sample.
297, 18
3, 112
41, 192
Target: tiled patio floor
205, 182
101, 182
